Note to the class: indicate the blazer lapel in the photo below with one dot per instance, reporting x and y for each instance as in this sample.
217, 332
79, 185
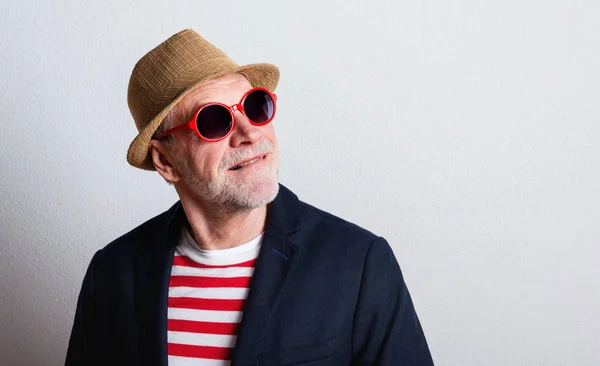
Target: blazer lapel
153, 273
273, 266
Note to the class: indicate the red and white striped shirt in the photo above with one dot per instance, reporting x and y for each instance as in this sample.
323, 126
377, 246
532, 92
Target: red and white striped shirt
207, 291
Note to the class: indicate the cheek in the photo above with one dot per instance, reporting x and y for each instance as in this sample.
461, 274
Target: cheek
207, 157
270, 136
196, 156
269, 133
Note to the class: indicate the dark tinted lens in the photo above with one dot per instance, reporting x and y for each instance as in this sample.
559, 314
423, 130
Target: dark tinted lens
214, 121
259, 106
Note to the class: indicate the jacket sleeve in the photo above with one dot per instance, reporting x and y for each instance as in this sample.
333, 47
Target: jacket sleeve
79, 349
387, 330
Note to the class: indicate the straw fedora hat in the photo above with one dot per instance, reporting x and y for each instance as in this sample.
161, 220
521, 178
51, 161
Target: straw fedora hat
168, 73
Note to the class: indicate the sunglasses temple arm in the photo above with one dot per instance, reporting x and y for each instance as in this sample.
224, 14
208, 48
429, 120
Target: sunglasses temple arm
175, 129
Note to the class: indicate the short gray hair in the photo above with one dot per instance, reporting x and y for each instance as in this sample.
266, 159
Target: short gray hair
168, 140
165, 125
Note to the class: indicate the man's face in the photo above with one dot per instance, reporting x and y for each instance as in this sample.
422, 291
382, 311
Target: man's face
205, 168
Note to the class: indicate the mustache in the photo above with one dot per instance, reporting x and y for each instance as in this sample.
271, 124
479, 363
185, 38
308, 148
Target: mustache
262, 148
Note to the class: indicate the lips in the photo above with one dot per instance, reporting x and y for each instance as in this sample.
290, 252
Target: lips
246, 162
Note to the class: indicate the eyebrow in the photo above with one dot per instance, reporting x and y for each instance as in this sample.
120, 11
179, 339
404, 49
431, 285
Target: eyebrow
188, 116
194, 106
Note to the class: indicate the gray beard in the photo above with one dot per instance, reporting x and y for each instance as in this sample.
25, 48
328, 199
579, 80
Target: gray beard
229, 196
233, 198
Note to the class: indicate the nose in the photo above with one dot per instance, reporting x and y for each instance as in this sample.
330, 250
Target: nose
244, 132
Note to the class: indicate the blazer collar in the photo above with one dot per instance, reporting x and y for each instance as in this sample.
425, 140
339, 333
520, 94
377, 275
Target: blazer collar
273, 267
283, 214
153, 274
274, 264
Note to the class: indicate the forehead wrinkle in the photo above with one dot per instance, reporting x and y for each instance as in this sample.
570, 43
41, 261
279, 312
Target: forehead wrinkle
205, 93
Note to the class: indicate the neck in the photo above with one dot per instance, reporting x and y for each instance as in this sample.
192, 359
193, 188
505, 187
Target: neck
213, 231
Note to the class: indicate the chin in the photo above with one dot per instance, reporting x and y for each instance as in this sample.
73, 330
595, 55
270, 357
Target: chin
265, 192
234, 195
256, 193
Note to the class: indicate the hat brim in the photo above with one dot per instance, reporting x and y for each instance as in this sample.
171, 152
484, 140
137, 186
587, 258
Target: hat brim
261, 75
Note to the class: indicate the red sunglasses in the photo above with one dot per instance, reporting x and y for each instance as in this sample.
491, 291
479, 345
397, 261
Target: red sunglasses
215, 121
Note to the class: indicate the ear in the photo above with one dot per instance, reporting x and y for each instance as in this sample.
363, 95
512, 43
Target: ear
163, 162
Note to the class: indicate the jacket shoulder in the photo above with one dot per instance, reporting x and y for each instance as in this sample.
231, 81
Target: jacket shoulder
328, 225
141, 237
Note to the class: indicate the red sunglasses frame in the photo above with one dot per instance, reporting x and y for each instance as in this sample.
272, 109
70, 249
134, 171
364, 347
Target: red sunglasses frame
236, 107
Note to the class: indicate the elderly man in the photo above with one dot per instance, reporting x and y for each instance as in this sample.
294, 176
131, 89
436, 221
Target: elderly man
239, 271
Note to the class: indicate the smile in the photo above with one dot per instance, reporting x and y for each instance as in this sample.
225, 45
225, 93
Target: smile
239, 166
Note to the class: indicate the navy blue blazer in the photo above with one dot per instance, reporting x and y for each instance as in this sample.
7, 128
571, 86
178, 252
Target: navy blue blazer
324, 292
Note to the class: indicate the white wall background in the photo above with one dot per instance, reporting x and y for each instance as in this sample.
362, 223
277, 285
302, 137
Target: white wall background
466, 132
